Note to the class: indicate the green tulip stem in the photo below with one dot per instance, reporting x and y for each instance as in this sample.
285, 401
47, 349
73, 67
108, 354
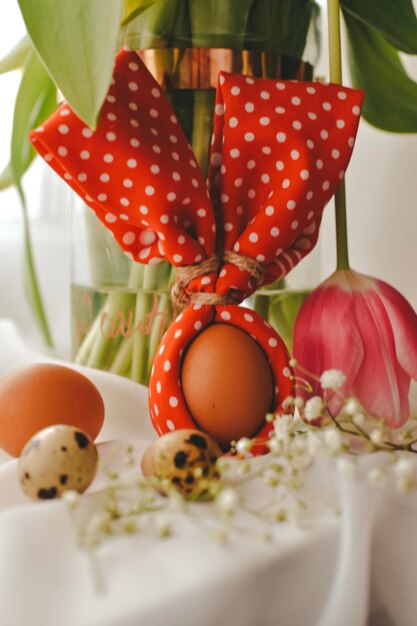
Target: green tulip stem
335, 63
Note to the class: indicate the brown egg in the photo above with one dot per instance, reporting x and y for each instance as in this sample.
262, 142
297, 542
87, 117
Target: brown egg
41, 395
227, 383
186, 459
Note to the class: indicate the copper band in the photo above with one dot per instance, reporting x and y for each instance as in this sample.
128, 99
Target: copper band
198, 68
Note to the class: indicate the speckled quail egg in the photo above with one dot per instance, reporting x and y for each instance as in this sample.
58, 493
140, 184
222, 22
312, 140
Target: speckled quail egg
57, 459
184, 459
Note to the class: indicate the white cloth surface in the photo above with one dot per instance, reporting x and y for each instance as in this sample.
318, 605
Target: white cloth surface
351, 571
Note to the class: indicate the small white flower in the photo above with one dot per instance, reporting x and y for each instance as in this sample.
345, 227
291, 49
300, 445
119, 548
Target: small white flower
332, 379
315, 443
313, 408
275, 444
243, 446
352, 406
377, 437
377, 477
405, 484
270, 477
284, 426
227, 501
163, 527
403, 468
347, 466
358, 419
299, 402
333, 439
288, 402
71, 498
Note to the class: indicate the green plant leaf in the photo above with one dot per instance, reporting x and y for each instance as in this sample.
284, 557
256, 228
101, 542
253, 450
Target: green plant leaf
396, 20
35, 101
133, 8
162, 24
6, 177
219, 24
15, 59
391, 96
30, 278
77, 41
280, 27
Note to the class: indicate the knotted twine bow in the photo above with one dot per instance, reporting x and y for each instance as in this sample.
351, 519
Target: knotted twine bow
278, 153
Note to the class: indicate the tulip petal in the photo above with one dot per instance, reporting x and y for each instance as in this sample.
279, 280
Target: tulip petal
381, 384
326, 335
403, 320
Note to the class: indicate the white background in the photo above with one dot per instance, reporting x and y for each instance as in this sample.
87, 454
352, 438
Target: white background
382, 201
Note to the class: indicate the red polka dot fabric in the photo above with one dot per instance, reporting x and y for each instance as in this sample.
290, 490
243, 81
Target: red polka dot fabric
279, 151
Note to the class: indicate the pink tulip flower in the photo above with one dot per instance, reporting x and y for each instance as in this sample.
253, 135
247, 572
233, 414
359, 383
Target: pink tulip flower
366, 329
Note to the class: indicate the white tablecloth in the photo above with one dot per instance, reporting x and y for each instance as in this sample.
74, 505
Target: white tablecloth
350, 571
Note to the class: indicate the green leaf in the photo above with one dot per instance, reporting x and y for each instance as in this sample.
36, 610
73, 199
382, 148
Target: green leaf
133, 8
31, 282
77, 41
18, 55
219, 24
35, 101
280, 27
391, 96
394, 19
6, 177
163, 24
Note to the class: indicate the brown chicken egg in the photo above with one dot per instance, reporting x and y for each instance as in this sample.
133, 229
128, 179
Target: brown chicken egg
227, 383
36, 396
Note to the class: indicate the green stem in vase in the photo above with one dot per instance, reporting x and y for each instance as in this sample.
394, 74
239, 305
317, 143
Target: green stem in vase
144, 304
335, 62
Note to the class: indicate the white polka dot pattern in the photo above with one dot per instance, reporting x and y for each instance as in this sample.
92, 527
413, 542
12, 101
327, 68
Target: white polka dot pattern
303, 141
120, 168
279, 151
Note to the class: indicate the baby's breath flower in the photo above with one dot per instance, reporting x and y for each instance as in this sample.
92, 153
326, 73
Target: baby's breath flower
284, 426
377, 436
72, 498
333, 439
403, 468
377, 477
358, 418
406, 484
352, 406
274, 444
332, 379
313, 408
244, 446
288, 402
271, 478
227, 501
347, 466
293, 362
164, 528
315, 443
299, 402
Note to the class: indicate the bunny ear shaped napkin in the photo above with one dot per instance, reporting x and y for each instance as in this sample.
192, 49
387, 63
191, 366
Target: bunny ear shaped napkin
279, 151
